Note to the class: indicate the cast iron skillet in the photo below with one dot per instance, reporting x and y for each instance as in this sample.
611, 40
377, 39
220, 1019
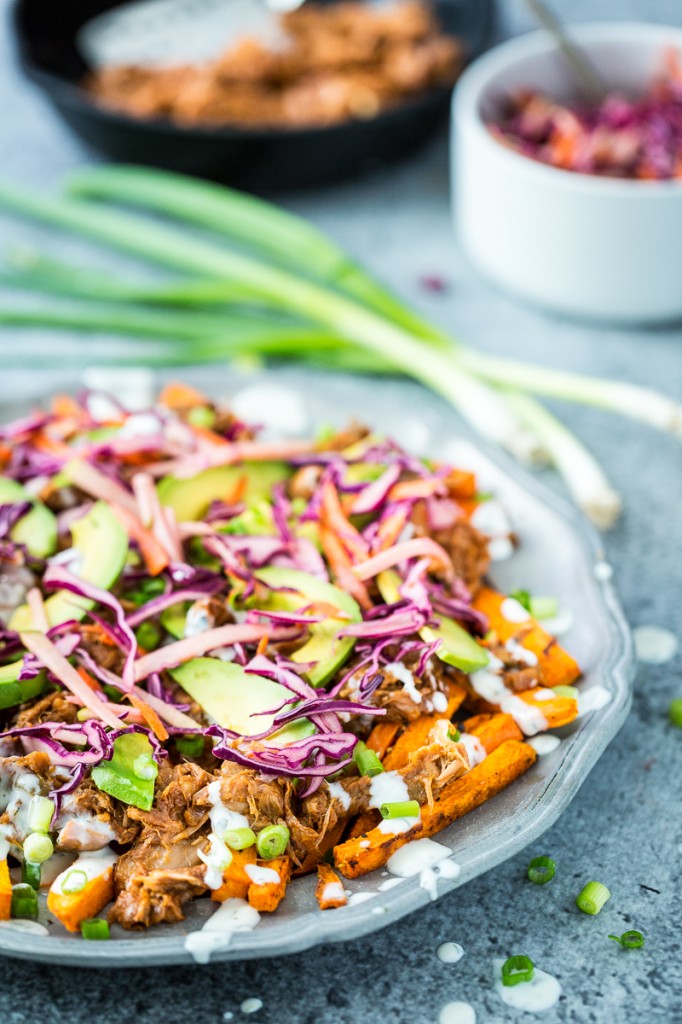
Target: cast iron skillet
259, 160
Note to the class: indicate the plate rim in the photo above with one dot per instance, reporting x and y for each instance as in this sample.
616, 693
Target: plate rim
316, 928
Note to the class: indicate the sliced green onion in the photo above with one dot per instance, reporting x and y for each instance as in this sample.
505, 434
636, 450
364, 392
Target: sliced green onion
112, 693
24, 902
517, 969
675, 712
95, 929
40, 813
38, 848
74, 881
30, 874
145, 767
400, 809
146, 591
629, 940
239, 838
541, 870
272, 841
523, 597
367, 760
592, 898
201, 416
543, 607
566, 691
190, 746
148, 635
454, 735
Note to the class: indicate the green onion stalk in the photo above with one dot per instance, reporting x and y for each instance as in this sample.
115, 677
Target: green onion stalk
286, 291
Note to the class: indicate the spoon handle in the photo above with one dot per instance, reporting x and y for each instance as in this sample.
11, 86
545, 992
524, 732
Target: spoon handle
591, 83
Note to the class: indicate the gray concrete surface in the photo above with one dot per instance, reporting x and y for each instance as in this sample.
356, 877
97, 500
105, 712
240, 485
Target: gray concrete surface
623, 828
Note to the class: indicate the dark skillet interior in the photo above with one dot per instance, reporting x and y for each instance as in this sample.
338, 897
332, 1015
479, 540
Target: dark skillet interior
260, 161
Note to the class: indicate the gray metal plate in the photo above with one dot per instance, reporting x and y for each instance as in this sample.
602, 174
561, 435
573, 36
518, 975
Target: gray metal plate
558, 555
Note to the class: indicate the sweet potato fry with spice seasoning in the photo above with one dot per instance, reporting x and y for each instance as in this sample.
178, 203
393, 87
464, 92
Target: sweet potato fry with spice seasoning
266, 895
329, 891
416, 733
558, 667
236, 882
492, 730
499, 769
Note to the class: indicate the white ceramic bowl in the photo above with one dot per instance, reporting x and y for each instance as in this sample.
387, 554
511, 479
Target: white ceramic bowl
587, 246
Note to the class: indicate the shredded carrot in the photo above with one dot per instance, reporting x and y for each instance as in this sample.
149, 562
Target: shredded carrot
150, 716
65, 406
177, 395
5, 892
88, 679
391, 528
263, 644
335, 519
410, 489
154, 554
340, 564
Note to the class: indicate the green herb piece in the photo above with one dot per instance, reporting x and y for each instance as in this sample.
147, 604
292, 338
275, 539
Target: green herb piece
272, 841
516, 970
190, 746
400, 809
629, 940
95, 929
367, 760
541, 870
24, 902
592, 898
239, 838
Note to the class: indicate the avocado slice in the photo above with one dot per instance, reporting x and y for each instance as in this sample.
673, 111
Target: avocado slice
119, 777
190, 498
14, 691
103, 545
233, 698
457, 647
324, 646
38, 528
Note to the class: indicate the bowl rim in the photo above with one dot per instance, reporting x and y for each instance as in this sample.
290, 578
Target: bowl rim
478, 76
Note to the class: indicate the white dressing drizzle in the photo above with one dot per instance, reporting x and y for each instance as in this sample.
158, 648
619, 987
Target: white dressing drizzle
474, 748
92, 865
450, 952
251, 1005
513, 611
593, 700
199, 618
234, 915
333, 891
262, 876
489, 685
457, 1013
540, 993
404, 676
603, 571
217, 857
544, 744
359, 897
655, 646
520, 653
31, 927
389, 883
439, 702
339, 793
426, 858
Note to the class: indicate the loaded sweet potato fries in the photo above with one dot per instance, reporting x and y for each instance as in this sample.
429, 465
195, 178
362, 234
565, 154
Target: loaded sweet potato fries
225, 662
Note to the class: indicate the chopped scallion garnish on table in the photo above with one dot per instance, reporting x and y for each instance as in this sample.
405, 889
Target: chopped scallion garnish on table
675, 712
629, 940
541, 870
592, 898
517, 970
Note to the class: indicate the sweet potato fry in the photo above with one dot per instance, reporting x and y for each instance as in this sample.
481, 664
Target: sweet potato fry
267, 896
71, 908
5, 892
557, 710
558, 667
329, 890
382, 737
492, 730
416, 733
493, 775
236, 882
